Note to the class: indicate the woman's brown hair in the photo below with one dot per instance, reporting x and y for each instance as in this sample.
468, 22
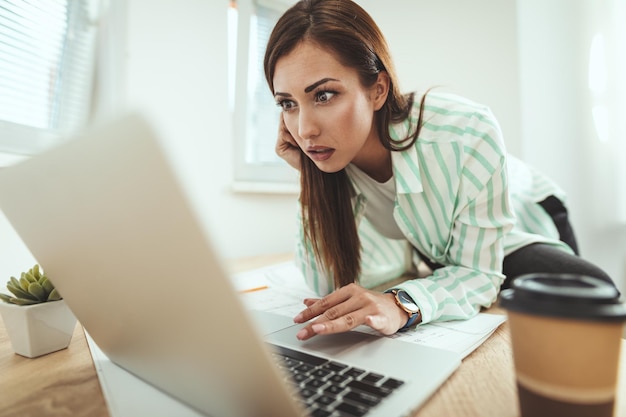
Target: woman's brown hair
348, 31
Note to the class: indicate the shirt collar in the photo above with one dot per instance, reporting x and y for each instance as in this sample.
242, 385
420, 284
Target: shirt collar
405, 163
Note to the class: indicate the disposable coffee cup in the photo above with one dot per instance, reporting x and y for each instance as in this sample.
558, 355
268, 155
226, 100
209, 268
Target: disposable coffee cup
566, 333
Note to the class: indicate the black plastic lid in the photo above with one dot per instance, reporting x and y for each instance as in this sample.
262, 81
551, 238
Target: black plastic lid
564, 295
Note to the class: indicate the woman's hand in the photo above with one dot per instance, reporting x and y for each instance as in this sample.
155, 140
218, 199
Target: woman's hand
286, 146
349, 307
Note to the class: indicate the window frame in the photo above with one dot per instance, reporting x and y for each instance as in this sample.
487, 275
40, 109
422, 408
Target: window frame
254, 176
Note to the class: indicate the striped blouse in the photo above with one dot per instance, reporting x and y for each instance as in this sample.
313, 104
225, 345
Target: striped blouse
461, 201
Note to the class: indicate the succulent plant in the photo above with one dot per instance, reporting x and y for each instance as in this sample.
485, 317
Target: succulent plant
33, 287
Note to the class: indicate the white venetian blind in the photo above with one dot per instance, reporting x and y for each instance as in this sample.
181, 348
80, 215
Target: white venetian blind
46, 68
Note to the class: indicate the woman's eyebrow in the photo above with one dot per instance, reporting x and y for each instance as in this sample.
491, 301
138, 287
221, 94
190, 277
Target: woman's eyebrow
315, 84
307, 89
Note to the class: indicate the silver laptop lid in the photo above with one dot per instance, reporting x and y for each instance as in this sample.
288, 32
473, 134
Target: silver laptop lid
155, 299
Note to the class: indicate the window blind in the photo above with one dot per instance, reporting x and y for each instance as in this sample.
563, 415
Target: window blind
46, 66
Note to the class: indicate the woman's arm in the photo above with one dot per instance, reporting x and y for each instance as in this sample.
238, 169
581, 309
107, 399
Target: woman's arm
473, 276
477, 215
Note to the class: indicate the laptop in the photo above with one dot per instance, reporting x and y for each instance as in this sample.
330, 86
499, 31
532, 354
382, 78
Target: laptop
106, 216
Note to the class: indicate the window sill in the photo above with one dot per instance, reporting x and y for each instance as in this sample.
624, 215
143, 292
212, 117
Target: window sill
8, 159
250, 187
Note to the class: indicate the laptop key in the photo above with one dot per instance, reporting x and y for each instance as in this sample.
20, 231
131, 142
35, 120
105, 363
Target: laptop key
325, 400
304, 368
285, 362
334, 366
371, 389
306, 392
315, 383
334, 390
322, 373
363, 398
339, 379
352, 409
372, 378
299, 378
392, 383
354, 372
321, 413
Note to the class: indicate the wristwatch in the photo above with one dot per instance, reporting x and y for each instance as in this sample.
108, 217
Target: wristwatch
406, 303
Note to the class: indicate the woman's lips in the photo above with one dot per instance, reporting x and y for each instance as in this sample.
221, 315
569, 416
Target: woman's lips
320, 153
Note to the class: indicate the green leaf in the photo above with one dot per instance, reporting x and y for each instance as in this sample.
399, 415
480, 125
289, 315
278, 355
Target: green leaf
19, 292
5, 298
54, 295
14, 281
24, 283
30, 277
47, 285
23, 302
35, 271
35, 289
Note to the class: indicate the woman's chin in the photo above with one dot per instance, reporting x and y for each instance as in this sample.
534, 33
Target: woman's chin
329, 168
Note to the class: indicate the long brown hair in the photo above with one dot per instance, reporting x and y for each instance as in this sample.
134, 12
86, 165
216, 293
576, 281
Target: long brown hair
350, 33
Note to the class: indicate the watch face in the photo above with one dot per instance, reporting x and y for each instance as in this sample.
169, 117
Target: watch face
407, 301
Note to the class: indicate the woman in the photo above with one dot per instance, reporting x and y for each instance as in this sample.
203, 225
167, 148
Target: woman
389, 179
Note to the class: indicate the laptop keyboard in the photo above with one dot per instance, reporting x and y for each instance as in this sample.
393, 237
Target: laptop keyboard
333, 389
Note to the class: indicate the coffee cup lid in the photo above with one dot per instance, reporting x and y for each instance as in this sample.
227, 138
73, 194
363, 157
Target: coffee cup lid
564, 295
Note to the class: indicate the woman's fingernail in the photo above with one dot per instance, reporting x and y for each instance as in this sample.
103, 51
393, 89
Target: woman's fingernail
301, 334
318, 328
298, 318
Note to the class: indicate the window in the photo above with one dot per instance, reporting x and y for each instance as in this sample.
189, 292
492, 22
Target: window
46, 66
255, 114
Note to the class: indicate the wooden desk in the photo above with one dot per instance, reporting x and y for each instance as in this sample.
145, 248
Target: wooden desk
65, 383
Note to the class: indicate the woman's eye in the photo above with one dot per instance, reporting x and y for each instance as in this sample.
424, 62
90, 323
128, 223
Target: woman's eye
324, 96
286, 104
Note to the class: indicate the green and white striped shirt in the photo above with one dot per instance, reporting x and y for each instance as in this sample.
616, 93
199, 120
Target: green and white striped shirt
461, 201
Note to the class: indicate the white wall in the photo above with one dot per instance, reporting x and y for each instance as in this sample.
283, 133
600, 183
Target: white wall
176, 71
557, 129
465, 47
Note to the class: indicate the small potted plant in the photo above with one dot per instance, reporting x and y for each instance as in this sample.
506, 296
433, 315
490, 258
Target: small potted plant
36, 317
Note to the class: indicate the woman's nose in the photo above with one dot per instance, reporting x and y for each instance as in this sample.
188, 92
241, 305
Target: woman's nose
307, 124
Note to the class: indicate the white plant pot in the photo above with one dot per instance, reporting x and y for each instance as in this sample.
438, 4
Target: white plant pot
37, 329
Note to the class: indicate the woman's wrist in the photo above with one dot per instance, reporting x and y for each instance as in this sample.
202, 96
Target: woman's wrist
408, 308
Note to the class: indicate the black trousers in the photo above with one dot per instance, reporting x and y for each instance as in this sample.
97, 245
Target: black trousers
541, 257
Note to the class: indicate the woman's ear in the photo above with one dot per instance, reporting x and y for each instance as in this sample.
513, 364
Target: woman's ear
380, 90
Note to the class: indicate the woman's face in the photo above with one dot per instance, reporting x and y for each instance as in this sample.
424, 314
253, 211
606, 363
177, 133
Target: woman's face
325, 108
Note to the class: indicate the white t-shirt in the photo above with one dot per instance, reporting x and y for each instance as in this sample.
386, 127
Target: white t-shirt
380, 201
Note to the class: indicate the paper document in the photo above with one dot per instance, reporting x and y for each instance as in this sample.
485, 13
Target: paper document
281, 288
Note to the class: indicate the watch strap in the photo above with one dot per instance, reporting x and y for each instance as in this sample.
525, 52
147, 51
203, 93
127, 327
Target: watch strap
410, 322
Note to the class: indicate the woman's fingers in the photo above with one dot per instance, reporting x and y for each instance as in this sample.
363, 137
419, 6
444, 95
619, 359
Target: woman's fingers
286, 146
347, 308
310, 301
317, 306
